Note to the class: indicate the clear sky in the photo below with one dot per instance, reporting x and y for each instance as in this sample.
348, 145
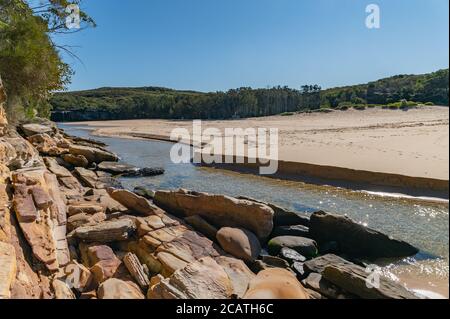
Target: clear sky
211, 45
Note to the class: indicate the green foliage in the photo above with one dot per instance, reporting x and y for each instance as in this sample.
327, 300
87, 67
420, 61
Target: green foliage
432, 87
287, 114
30, 64
156, 102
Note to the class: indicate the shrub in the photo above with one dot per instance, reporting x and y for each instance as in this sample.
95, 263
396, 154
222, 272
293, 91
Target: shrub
360, 107
287, 114
429, 103
323, 111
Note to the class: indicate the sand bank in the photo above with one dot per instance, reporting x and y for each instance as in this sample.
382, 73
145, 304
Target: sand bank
392, 148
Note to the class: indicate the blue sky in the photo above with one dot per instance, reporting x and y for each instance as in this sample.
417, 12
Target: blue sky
211, 45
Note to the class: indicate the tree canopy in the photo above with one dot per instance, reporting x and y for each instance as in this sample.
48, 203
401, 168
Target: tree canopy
30, 62
155, 102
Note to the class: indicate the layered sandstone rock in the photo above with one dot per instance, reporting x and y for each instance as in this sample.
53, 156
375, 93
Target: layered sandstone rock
220, 210
202, 279
93, 155
41, 212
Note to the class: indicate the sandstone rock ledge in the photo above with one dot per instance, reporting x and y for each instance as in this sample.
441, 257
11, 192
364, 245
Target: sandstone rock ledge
68, 230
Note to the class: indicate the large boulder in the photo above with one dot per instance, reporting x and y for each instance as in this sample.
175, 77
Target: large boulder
304, 246
238, 272
275, 283
202, 279
92, 154
239, 243
283, 216
355, 280
220, 210
118, 289
317, 283
33, 129
355, 239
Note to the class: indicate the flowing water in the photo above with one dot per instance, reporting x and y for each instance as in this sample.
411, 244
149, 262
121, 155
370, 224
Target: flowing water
424, 224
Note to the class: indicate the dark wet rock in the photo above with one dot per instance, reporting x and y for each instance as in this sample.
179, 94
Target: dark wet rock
355, 239
151, 171
124, 169
317, 283
305, 246
118, 168
330, 247
291, 255
318, 264
259, 265
294, 230
275, 262
299, 269
355, 280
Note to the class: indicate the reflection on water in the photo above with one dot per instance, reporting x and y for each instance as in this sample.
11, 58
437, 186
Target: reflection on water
423, 224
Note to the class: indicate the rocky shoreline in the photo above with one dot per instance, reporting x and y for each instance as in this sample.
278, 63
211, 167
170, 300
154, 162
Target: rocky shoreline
69, 231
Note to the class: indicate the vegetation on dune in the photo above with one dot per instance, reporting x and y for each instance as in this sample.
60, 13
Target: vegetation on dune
156, 102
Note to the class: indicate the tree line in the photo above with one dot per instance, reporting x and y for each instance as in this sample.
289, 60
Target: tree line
156, 102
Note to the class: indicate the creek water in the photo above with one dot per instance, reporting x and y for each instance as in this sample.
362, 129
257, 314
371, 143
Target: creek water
424, 224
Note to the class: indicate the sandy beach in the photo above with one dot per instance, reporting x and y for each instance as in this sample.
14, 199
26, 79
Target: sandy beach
412, 143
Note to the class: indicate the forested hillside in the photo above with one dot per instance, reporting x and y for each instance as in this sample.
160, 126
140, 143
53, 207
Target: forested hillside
154, 102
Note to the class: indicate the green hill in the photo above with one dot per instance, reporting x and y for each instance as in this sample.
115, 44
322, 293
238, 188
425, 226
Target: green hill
156, 102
